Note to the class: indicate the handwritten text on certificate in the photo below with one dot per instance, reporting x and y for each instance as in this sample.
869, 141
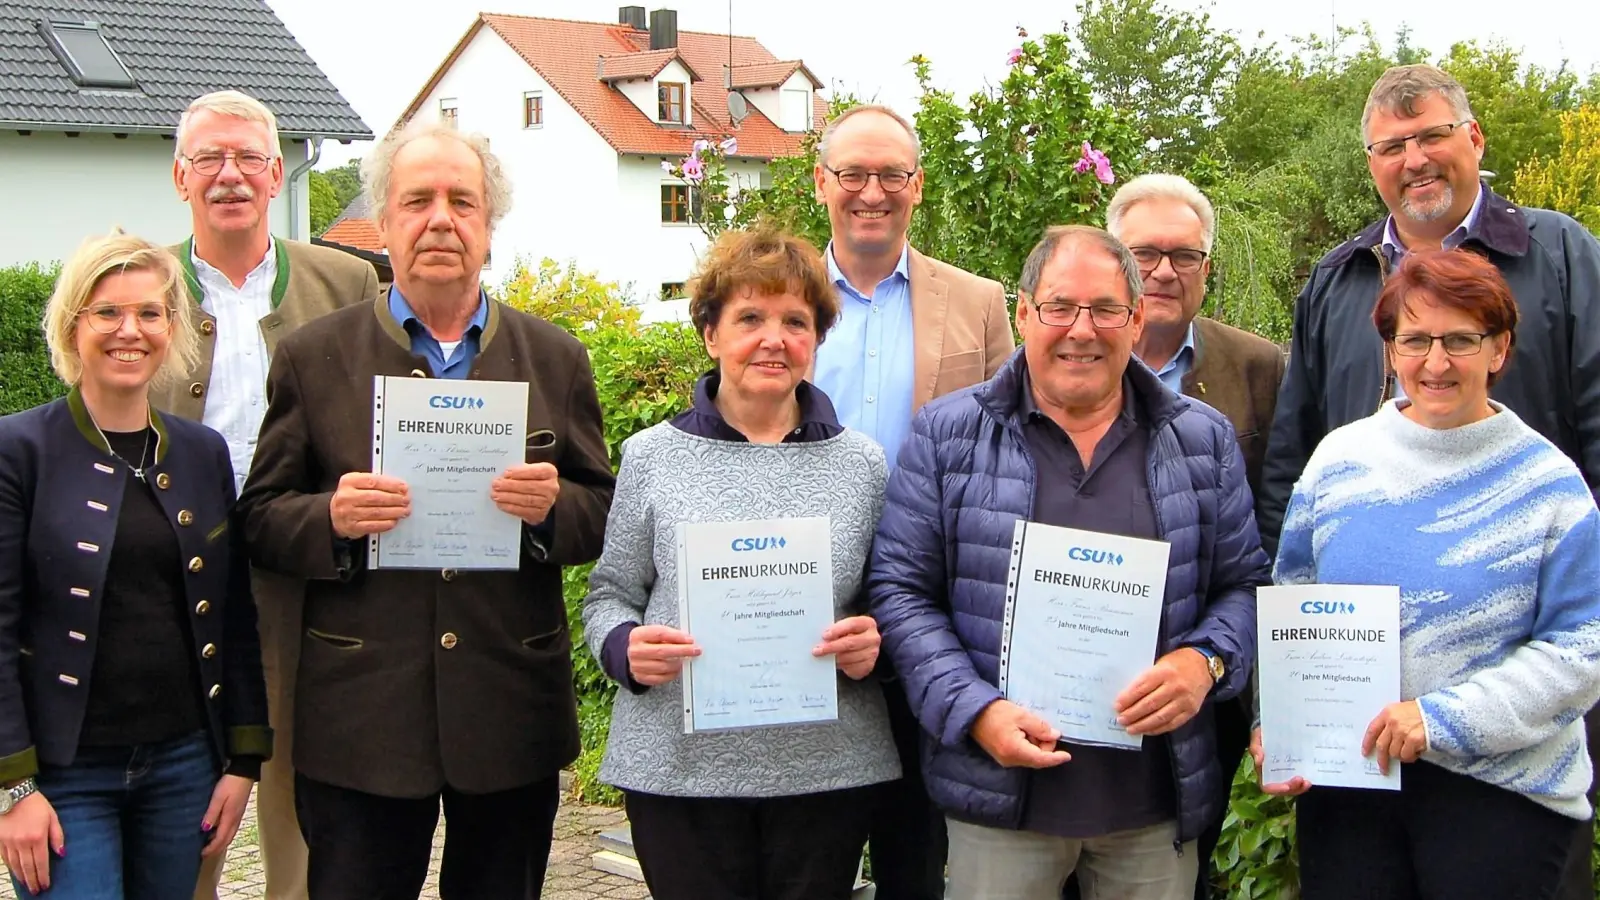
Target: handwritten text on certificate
1329, 663
448, 440
1083, 614
756, 597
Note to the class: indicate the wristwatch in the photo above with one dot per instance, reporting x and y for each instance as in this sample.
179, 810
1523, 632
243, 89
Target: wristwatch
10, 798
1213, 662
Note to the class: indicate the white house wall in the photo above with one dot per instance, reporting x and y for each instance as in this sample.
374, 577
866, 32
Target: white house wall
771, 104
646, 252
59, 190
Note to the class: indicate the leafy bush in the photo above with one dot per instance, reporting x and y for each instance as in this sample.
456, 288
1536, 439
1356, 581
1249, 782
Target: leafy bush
26, 379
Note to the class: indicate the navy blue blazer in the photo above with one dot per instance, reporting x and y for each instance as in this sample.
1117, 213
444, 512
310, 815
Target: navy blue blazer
60, 495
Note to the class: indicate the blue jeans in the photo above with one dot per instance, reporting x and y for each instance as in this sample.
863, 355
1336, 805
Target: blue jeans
131, 818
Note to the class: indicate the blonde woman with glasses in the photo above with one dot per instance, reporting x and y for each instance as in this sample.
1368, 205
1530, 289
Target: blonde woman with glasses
132, 712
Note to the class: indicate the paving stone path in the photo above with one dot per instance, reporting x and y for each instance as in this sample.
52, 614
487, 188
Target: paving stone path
570, 876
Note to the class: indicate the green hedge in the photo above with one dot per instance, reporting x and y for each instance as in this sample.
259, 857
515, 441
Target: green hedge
26, 379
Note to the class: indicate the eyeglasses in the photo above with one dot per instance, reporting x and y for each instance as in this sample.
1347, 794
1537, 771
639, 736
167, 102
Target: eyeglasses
249, 162
1184, 259
1064, 315
1456, 343
1427, 139
107, 319
893, 181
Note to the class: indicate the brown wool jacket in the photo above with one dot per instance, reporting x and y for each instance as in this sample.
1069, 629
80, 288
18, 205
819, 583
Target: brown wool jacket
1237, 374
411, 680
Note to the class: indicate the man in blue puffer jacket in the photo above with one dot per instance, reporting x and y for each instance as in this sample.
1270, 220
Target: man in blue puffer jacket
1072, 432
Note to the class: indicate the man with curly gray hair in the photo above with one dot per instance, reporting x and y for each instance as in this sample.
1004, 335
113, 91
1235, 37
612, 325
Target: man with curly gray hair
421, 687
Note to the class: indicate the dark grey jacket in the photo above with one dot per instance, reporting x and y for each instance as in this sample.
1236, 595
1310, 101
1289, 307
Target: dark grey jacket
1336, 369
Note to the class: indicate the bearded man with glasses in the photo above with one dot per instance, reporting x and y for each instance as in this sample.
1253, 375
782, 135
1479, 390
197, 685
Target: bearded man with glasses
910, 329
1424, 147
252, 289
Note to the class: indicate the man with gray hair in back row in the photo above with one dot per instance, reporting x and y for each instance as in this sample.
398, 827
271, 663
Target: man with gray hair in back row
1424, 148
1071, 432
420, 687
252, 290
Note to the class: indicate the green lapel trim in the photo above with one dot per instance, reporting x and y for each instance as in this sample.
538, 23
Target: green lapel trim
280, 284
91, 432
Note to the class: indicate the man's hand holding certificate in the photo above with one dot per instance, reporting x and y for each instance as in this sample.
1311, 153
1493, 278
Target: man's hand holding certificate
1082, 617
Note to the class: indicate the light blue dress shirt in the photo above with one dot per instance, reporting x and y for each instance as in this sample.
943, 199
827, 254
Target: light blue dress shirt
424, 344
866, 364
1179, 365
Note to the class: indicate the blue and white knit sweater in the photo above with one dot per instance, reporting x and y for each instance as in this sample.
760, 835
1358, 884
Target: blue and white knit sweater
1493, 537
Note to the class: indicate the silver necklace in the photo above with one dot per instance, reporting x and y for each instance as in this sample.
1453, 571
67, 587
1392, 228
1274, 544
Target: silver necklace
138, 471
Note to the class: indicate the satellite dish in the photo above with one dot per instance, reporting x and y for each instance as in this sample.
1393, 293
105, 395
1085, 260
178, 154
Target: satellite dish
737, 108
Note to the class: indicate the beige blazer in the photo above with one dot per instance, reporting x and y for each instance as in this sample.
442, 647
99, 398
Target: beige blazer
961, 328
312, 281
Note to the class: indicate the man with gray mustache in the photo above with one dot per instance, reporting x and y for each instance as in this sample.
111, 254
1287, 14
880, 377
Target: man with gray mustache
252, 288
1424, 148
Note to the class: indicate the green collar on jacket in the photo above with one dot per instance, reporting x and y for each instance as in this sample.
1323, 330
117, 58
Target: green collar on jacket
91, 431
280, 285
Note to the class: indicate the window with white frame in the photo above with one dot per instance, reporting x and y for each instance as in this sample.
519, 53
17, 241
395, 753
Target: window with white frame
448, 113
532, 109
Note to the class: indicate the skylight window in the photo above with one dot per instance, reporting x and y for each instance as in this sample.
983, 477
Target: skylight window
88, 58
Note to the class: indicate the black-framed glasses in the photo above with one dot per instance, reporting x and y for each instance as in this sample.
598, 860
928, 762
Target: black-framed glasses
1186, 260
1456, 343
893, 181
107, 319
1064, 315
1427, 139
250, 162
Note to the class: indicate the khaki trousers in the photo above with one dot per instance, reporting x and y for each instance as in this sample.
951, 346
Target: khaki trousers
997, 864
279, 603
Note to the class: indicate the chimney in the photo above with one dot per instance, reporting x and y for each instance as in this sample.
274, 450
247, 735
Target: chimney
631, 17
663, 29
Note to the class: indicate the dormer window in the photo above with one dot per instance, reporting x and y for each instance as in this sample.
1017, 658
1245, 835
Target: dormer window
86, 55
448, 112
670, 102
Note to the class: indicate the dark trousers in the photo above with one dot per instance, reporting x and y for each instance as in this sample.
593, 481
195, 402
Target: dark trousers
365, 847
1442, 836
801, 847
907, 840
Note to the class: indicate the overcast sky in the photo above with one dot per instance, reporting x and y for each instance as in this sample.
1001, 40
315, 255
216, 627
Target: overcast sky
380, 53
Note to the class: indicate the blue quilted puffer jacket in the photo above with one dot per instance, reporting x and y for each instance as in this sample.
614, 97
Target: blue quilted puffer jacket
937, 584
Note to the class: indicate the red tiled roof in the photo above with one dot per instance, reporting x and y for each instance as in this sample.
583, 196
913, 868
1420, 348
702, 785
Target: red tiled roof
359, 233
641, 65
770, 75
564, 52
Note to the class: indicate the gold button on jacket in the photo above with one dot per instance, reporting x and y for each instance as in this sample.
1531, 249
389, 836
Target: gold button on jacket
448, 641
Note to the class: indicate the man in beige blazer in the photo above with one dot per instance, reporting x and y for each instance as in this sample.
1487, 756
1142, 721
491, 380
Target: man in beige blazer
1169, 226
252, 289
910, 329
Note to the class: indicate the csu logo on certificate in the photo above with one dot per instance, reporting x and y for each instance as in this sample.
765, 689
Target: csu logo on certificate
1327, 608
1104, 557
743, 544
438, 401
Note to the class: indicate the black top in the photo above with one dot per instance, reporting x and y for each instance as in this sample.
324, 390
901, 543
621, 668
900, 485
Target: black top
144, 687
1102, 790
818, 421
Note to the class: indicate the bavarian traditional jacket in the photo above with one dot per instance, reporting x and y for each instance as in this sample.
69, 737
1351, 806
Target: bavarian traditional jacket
61, 492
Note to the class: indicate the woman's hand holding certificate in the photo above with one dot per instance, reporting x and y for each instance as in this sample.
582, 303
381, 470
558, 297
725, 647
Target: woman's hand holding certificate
656, 653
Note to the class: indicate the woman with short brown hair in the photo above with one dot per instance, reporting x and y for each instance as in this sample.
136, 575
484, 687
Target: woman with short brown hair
763, 813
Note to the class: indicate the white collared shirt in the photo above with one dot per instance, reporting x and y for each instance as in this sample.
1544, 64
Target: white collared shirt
236, 399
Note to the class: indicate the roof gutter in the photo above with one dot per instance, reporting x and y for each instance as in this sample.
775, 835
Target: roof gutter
294, 181
164, 130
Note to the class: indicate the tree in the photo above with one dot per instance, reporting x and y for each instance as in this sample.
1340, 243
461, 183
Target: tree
1518, 106
346, 181
1160, 67
1569, 179
324, 203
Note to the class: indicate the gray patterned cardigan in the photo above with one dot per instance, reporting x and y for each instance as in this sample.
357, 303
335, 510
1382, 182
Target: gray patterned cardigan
670, 476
